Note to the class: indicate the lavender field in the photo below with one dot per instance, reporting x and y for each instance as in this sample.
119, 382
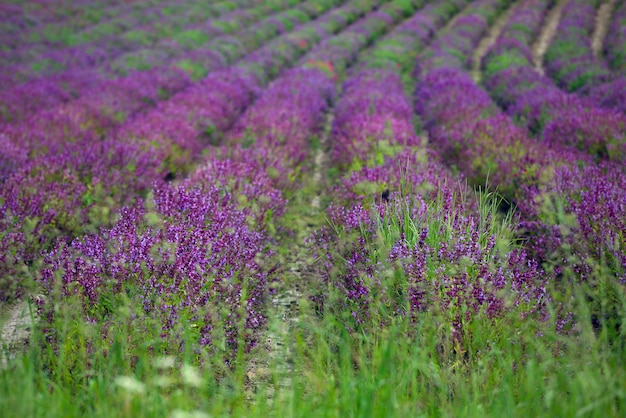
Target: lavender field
333, 208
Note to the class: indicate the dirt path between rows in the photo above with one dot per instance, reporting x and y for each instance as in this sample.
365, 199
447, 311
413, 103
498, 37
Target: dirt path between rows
603, 19
546, 35
487, 42
284, 312
15, 331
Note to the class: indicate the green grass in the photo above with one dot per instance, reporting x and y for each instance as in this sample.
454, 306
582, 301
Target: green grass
405, 368
394, 371
192, 38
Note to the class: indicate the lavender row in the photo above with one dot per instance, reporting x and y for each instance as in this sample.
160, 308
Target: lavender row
25, 18
184, 125
29, 97
106, 54
398, 50
65, 195
380, 90
571, 63
613, 93
98, 109
197, 50
184, 43
187, 260
89, 115
291, 110
469, 29
27, 45
227, 278
114, 21
241, 191
553, 115
181, 127
223, 295
399, 226
485, 145
569, 59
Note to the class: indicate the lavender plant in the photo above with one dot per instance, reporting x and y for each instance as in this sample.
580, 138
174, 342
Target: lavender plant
424, 247
288, 113
187, 260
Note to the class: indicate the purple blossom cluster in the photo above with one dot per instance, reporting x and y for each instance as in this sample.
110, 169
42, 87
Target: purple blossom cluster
23, 100
592, 199
421, 248
401, 240
553, 115
246, 178
58, 197
179, 128
373, 112
190, 262
388, 122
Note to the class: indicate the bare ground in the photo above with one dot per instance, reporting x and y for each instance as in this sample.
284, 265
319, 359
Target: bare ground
546, 35
284, 312
603, 19
16, 328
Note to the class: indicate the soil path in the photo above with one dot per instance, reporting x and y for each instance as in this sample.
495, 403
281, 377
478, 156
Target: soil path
487, 42
16, 325
546, 35
603, 19
284, 311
